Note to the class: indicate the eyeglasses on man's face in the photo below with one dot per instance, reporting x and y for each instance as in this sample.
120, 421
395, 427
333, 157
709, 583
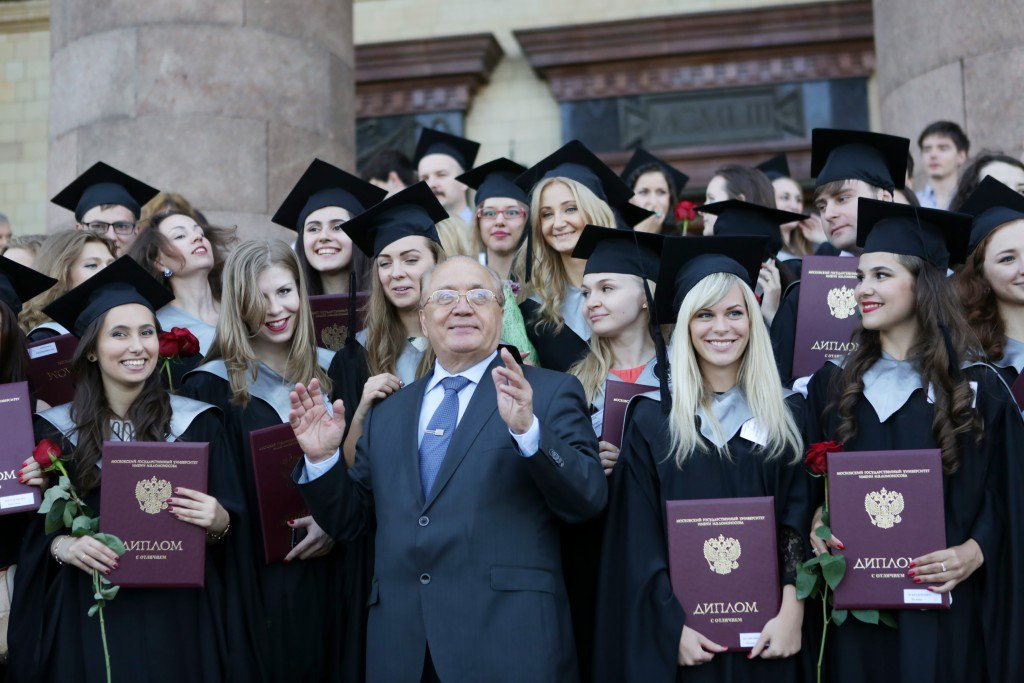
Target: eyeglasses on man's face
446, 298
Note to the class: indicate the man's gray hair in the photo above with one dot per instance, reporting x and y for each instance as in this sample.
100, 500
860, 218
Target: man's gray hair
498, 285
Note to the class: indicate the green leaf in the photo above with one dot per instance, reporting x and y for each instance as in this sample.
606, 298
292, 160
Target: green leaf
109, 593
887, 618
868, 616
111, 541
69, 513
65, 484
823, 532
94, 609
833, 568
55, 517
810, 563
807, 583
839, 616
54, 493
83, 526
826, 517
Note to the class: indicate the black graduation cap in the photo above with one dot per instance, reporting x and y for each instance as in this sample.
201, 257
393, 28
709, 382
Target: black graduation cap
875, 158
20, 283
325, 185
433, 141
685, 261
495, 179
991, 204
574, 161
776, 167
412, 211
939, 237
641, 158
122, 282
629, 215
739, 218
609, 250
104, 184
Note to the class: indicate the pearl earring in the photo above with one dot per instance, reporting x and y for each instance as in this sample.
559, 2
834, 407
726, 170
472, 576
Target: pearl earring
167, 272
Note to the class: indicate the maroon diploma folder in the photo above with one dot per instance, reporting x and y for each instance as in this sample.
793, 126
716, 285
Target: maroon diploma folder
827, 315
330, 318
138, 478
887, 508
616, 399
274, 454
49, 369
1018, 390
723, 566
15, 448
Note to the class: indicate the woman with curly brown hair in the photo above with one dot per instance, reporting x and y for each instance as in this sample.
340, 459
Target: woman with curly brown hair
914, 382
991, 283
179, 247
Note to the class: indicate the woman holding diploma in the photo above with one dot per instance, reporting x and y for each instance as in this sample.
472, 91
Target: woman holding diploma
153, 634
730, 433
911, 384
989, 284
264, 344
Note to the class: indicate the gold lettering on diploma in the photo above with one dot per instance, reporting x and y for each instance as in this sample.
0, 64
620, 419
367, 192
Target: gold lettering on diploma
721, 554
57, 374
884, 508
152, 550
841, 302
152, 494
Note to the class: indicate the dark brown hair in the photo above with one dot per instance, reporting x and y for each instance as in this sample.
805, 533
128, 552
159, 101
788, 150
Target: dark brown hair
668, 221
151, 244
150, 414
970, 176
934, 305
979, 303
13, 348
749, 182
359, 264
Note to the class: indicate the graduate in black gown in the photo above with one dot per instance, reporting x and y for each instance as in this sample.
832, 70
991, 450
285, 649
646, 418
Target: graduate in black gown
400, 237
737, 219
847, 164
70, 257
989, 284
568, 190
656, 186
265, 344
154, 634
181, 249
731, 431
17, 284
912, 383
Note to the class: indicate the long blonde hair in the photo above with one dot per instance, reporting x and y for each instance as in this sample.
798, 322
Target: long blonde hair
758, 377
55, 258
454, 234
244, 310
385, 333
592, 370
549, 281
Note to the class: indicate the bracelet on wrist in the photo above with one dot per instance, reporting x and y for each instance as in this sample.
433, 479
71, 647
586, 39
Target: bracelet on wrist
217, 538
55, 546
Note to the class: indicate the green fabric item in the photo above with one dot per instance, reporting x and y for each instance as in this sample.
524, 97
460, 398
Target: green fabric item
513, 331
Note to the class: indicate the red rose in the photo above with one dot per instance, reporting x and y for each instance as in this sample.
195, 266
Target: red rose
46, 453
178, 342
686, 211
816, 459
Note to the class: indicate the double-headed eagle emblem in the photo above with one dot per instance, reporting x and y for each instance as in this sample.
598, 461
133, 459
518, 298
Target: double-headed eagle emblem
841, 302
334, 336
721, 554
884, 508
152, 494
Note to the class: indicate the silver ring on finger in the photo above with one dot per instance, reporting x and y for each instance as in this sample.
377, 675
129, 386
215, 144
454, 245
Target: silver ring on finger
943, 565
82, 558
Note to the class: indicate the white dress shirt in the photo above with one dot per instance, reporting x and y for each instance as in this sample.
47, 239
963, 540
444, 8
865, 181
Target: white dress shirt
528, 442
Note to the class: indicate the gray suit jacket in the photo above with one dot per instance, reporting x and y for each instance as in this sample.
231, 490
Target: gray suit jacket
475, 569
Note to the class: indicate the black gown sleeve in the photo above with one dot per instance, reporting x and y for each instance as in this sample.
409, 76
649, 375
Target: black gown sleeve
792, 490
639, 620
783, 334
348, 374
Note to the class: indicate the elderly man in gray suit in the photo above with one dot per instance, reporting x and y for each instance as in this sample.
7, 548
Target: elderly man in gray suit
469, 473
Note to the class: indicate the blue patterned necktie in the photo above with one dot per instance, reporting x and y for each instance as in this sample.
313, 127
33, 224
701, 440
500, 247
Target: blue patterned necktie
439, 431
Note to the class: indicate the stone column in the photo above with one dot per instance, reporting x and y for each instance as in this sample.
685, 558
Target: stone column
224, 101
959, 60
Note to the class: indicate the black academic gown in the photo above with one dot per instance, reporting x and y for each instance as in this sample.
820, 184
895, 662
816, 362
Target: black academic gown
312, 609
154, 634
783, 333
639, 619
980, 637
555, 350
